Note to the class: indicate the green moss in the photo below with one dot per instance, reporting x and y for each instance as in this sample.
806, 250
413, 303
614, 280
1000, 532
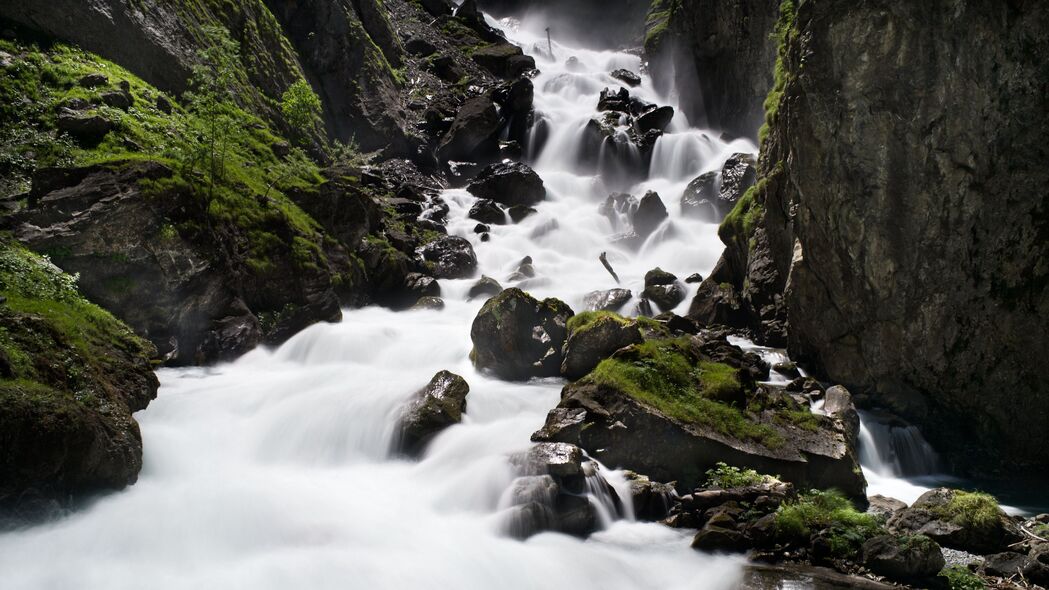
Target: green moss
958, 577
662, 374
829, 511
726, 477
785, 28
719, 380
660, 15
971, 510
586, 319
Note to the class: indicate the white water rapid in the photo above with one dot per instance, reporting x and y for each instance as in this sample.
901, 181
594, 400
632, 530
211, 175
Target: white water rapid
274, 472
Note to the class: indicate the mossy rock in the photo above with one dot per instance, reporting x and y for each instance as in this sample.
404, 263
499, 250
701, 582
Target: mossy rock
517, 337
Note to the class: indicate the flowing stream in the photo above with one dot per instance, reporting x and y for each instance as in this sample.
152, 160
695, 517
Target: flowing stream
274, 472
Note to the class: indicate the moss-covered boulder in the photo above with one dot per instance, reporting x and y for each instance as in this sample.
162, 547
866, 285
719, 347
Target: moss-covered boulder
594, 336
517, 337
969, 521
70, 377
672, 408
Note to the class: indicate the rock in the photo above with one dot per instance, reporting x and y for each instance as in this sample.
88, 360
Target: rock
700, 199
614, 100
487, 211
610, 300
86, 128
418, 285
627, 77
510, 184
481, 228
663, 289
788, 369
616, 205
838, 404
94, 80
649, 215
504, 60
884, 507
958, 520
694, 278
433, 408
452, 257
1006, 564
590, 344
437, 7
549, 494
446, 68
475, 124
719, 538
657, 119
903, 558
621, 419
163, 104
518, 213
419, 46
485, 287
117, 100
652, 500
737, 176
429, 303
525, 270
517, 337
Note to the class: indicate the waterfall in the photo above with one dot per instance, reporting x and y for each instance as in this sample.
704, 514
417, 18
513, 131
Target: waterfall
895, 449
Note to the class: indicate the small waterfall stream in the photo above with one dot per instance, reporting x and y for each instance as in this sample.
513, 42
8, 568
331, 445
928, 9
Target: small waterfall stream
275, 472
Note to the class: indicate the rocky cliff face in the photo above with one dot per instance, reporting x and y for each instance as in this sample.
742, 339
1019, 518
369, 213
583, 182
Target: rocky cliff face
717, 53
901, 224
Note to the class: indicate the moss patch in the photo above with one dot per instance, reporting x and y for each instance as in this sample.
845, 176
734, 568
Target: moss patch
971, 510
959, 577
586, 319
785, 28
829, 511
663, 375
726, 477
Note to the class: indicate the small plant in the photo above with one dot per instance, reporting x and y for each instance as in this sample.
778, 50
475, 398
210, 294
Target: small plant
818, 511
726, 477
971, 510
301, 108
960, 578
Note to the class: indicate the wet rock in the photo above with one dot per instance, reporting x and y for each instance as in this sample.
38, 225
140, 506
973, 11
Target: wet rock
737, 175
452, 257
549, 494
510, 184
420, 47
618, 204
519, 213
652, 500
614, 100
475, 124
610, 300
650, 214
525, 270
433, 408
481, 228
504, 60
487, 211
657, 119
429, 303
663, 289
903, 558
958, 520
485, 287
715, 537
517, 337
590, 344
627, 77
419, 285
694, 278
700, 199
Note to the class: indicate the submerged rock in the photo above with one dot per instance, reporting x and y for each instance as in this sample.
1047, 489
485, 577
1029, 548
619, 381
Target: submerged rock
650, 214
486, 286
517, 337
627, 77
663, 289
433, 408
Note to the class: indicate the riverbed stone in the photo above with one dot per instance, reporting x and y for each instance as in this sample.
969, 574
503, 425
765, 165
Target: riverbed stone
517, 337
432, 409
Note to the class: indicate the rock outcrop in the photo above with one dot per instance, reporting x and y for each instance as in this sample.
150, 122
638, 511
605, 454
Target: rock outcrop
907, 256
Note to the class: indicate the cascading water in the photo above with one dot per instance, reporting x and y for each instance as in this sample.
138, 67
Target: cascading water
275, 471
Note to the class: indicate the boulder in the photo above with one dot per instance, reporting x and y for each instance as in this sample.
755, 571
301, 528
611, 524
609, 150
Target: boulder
651, 212
504, 60
614, 100
909, 558
700, 199
89, 128
117, 100
738, 174
627, 77
616, 205
884, 507
589, 344
657, 119
652, 500
94, 80
475, 124
625, 413
432, 409
510, 184
960, 520
487, 211
429, 303
485, 287
519, 213
721, 538
610, 300
516, 337
663, 289
452, 257
550, 493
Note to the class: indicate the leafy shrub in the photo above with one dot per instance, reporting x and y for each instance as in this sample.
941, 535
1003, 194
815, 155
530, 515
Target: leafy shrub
960, 578
726, 477
818, 511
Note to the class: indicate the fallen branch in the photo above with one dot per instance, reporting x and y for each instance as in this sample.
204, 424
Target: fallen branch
604, 260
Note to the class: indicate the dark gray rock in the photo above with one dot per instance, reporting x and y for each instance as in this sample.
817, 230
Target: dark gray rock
700, 199
650, 214
475, 125
610, 300
517, 337
903, 558
627, 77
485, 287
510, 184
452, 257
657, 119
487, 211
429, 303
432, 409
504, 60
931, 515
663, 289
88, 128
